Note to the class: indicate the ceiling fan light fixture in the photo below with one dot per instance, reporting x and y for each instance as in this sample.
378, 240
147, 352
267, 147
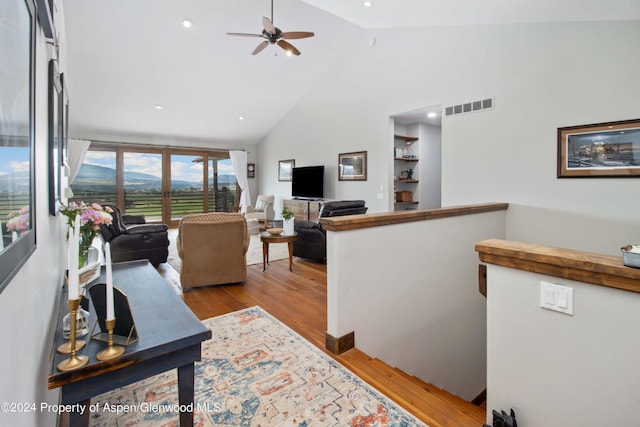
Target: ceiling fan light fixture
187, 23
273, 35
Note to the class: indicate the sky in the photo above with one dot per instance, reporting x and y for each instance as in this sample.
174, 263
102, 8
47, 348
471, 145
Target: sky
13, 159
183, 168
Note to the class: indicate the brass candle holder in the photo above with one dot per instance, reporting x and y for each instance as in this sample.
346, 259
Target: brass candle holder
74, 361
112, 350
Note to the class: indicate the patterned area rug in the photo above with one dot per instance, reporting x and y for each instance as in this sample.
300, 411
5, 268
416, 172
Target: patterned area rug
255, 371
254, 253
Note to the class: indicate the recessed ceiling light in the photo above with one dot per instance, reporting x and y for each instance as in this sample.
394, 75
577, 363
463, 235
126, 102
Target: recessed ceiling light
241, 118
432, 115
158, 107
186, 23
367, 4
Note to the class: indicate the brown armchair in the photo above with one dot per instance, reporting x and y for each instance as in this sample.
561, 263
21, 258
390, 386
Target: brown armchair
213, 248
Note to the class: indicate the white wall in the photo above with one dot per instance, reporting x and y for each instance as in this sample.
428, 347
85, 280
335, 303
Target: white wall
543, 76
566, 229
410, 293
28, 301
430, 166
560, 370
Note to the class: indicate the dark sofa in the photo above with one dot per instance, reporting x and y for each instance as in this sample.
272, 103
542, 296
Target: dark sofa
131, 238
311, 242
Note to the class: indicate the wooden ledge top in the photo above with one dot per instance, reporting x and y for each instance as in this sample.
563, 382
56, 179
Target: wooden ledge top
603, 270
353, 222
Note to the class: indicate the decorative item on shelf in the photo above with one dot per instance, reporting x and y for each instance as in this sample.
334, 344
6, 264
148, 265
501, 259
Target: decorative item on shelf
91, 216
406, 175
404, 196
631, 255
287, 221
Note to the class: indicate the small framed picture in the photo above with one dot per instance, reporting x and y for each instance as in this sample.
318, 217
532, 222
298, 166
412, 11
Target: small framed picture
352, 166
251, 170
285, 169
599, 150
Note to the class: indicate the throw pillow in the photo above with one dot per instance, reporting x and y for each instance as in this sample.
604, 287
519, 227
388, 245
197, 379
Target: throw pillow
260, 205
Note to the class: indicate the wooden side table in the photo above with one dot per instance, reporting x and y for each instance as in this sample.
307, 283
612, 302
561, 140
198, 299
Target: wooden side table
267, 238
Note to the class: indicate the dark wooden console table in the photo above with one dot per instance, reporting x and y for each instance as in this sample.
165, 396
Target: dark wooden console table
170, 336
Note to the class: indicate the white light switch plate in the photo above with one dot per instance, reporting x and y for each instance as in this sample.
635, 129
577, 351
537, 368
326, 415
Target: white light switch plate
556, 297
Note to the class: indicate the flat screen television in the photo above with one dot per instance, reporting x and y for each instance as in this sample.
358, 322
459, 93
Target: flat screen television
308, 182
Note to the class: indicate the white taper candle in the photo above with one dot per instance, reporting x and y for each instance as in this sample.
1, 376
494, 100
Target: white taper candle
107, 254
74, 241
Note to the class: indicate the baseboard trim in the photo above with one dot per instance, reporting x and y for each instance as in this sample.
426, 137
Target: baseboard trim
481, 398
340, 344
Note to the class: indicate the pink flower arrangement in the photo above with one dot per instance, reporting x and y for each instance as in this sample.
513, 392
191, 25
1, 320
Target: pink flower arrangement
91, 216
18, 220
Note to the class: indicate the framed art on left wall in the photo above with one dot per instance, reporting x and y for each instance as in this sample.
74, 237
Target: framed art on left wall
55, 122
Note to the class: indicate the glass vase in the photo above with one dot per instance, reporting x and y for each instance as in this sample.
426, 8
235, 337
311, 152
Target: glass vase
82, 320
83, 252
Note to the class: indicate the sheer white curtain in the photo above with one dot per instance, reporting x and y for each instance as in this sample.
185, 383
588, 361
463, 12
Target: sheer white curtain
76, 150
239, 162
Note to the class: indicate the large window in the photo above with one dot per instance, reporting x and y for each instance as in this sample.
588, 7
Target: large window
162, 184
143, 184
187, 185
96, 181
223, 187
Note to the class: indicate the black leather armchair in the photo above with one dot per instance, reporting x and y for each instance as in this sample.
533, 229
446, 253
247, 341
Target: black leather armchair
131, 238
311, 242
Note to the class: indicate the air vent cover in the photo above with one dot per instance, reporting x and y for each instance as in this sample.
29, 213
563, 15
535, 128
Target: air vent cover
469, 107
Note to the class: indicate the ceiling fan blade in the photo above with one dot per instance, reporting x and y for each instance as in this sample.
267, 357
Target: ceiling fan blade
297, 34
244, 34
268, 26
260, 47
288, 47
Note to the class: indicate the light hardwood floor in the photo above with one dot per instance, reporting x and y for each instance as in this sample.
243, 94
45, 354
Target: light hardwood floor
298, 299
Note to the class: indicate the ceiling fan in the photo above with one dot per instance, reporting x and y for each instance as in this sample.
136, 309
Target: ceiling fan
273, 35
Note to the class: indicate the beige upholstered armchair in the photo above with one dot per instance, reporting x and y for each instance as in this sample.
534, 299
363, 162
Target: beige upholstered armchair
213, 248
263, 211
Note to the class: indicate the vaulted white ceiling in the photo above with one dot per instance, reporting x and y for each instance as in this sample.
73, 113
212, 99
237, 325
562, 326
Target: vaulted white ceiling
125, 57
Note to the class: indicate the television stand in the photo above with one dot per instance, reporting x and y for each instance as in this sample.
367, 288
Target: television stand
303, 208
308, 199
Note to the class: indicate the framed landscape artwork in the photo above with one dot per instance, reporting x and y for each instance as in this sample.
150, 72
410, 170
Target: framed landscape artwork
285, 169
352, 166
55, 122
599, 150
